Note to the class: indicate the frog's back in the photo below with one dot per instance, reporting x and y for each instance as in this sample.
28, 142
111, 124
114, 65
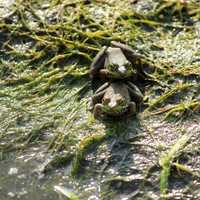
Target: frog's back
116, 56
120, 88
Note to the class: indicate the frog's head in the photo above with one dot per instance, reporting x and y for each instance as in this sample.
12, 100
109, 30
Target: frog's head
121, 70
114, 104
117, 64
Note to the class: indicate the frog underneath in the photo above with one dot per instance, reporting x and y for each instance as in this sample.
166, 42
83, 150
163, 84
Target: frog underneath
116, 99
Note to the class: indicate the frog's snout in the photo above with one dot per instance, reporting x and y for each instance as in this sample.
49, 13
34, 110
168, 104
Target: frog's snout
122, 69
112, 104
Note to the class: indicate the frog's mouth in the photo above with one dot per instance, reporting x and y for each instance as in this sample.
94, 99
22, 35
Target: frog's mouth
116, 110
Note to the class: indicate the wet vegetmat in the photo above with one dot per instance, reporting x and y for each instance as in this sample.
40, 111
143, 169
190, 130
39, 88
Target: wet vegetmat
51, 147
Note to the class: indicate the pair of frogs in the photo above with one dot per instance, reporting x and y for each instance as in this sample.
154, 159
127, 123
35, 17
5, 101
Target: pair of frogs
119, 95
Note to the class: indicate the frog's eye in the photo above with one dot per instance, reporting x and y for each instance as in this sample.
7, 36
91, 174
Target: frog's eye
119, 100
110, 67
114, 67
106, 100
128, 65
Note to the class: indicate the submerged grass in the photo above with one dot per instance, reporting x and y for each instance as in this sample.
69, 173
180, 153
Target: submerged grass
166, 162
85, 145
45, 52
173, 91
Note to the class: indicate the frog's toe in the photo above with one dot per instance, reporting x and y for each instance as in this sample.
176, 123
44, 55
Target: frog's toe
132, 108
90, 105
98, 110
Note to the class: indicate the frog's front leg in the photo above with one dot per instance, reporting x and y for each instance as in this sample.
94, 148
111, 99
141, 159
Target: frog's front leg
102, 88
98, 62
135, 92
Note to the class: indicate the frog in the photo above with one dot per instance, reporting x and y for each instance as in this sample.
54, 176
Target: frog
117, 61
116, 99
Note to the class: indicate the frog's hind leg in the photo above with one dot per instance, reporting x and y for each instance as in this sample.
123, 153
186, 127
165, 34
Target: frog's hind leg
98, 62
96, 98
135, 92
98, 95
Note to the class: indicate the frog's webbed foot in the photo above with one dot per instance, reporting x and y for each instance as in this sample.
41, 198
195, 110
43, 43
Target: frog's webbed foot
98, 62
98, 110
131, 109
135, 92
